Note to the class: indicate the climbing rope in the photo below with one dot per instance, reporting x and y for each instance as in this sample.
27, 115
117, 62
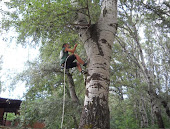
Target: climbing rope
64, 93
64, 84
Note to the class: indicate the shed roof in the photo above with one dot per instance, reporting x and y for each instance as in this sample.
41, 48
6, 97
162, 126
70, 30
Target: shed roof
10, 105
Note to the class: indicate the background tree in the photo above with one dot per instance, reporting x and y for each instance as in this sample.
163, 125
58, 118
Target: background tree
134, 48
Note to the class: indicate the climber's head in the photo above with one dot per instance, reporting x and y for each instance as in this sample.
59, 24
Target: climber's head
66, 45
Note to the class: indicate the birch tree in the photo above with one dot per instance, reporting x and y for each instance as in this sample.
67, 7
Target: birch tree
98, 39
38, 20
145, 58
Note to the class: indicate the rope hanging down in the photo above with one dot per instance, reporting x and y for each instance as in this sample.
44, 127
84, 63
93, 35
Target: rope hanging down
64, 93
64, 83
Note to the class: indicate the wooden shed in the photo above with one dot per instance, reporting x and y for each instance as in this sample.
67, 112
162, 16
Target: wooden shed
8, 106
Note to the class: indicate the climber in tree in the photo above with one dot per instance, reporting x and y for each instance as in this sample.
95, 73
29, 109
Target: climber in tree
64, 56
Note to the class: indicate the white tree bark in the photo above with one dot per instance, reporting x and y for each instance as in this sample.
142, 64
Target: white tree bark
98, 39
144, 116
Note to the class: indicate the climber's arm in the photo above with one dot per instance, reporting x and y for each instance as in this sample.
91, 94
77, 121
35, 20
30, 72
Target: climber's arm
71, 50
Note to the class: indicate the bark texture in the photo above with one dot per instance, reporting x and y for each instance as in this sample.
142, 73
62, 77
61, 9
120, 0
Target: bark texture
149, 79
98, 39
147, 74
144, 117
73, 94
156, 108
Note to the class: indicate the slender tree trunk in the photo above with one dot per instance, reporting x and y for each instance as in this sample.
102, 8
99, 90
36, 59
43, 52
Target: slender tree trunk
153, 99
144, 117
152, 116
73, 94
47, 68
137, 112
98, 39
120, 89
165, 105
155, 107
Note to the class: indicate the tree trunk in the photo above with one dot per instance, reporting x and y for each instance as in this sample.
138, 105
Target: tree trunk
152, 116
156, 109
144, 117
47, 68
72, 88
98, 39
120, 89
165, 105
147, 75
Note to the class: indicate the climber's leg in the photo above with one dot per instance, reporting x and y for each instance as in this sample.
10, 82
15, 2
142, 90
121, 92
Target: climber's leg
79, 67
79, 59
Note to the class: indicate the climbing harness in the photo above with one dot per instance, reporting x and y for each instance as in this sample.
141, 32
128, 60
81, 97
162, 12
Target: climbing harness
64, 93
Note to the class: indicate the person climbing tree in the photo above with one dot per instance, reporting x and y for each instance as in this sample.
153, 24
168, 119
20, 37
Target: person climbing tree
69, 59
